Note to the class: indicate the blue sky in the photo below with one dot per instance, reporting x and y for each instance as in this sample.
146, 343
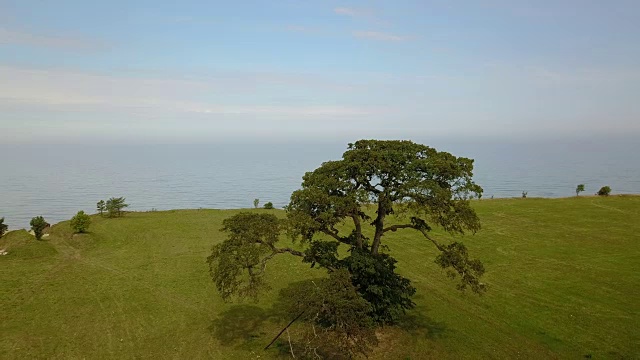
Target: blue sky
200, 71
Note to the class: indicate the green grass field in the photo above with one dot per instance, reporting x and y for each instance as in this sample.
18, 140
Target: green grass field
563, 277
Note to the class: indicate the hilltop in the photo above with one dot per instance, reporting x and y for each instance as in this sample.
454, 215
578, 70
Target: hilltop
562, 274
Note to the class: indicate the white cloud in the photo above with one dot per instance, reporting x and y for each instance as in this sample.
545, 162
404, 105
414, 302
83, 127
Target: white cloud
352, 12
9, 37
74, 91
379, 36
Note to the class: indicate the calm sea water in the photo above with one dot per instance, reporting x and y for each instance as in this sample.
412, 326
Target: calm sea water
56, 181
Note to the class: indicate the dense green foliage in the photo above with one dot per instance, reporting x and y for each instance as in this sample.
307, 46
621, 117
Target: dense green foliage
80, 222
579, 189
3, 227
268, 205
38, 224
342, 326
562, 275
256, 202
604, 191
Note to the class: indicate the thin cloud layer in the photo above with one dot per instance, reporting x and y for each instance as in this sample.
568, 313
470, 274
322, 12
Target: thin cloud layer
13, 37
379, 36
353, 12
72, 91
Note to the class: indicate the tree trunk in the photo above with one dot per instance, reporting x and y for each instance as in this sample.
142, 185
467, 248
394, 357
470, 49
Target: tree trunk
358, 226
379, 224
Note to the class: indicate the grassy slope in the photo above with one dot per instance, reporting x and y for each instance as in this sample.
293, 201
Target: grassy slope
563, 277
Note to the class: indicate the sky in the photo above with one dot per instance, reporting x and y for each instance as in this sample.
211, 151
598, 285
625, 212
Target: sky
206, 71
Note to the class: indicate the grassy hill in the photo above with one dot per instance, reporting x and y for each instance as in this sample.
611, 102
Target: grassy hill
563, 277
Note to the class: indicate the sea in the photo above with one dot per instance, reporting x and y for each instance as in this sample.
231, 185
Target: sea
57, 180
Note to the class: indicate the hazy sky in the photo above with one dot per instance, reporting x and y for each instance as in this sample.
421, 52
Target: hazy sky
182, 71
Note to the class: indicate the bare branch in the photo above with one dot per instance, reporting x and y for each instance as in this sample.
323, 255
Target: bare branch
411, 226
424, 232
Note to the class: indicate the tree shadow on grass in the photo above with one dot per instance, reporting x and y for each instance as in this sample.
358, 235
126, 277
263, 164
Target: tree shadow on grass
418, 324
241, 323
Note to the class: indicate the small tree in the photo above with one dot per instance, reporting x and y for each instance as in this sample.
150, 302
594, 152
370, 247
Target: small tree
101, 207
579, 189
3, 227
524, 194
256, 202
268, 205
80, 223
114, 206
604, 191
38, 225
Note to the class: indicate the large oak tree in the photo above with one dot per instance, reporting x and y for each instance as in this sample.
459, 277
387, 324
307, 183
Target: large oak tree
377, 188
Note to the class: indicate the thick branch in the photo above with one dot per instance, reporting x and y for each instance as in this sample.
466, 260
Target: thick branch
275, 251
335, 236
397, 227
289, 250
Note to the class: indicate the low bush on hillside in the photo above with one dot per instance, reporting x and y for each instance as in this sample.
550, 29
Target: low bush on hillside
604, 191
38, 224
80, 223
3, 227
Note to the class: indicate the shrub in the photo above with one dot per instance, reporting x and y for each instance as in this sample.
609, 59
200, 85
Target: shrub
114, 206
3, 227
579, 189
524, 194
80, 223
604, 191
256, 202
268, 205
38, 225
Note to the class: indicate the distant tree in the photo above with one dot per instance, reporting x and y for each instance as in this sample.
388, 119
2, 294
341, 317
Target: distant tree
524, 194
256, 202
114, 206
604, 191
38, 224
101, 207
579, 189
268, 205
80, 223
3, 227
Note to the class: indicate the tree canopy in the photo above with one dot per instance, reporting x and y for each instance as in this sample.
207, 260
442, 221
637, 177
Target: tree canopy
114, 206
38, 224
80, 222
377, 188
3, 227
